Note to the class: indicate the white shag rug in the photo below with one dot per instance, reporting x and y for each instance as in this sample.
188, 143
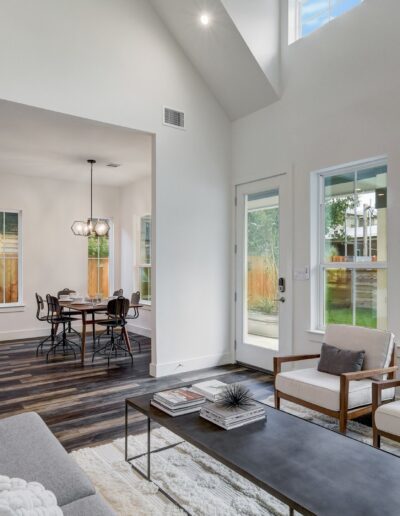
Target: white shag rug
355, 430
199, 483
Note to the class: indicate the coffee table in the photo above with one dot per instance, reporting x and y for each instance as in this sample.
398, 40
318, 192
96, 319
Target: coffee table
311, 469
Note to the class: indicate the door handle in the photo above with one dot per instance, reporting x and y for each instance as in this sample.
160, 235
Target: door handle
280, 299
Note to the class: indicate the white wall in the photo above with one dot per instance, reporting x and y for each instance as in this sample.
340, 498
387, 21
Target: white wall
53, 257
340, 104
114, 61
135, 202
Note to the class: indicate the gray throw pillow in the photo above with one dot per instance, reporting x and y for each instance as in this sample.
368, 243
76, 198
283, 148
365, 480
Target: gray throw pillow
336, 361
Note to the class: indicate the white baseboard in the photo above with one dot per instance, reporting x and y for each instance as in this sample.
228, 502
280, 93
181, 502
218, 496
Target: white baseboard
191, 364
146, 332
33, 333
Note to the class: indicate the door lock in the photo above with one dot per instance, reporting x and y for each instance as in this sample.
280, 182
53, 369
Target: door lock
280, 299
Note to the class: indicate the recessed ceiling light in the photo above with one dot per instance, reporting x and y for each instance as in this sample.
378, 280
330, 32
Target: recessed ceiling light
113, 165
205, 19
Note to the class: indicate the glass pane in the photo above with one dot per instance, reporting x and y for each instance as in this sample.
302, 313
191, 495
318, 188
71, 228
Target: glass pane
340, 221
311, 24
338, 296
145, 283
98, 266
1, 234
371, 301
263, 269
313, 8
11, 233
145, 240
2, 299
11, 279
341, 6
371, 211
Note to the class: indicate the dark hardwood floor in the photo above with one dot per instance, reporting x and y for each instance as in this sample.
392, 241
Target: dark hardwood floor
85, 406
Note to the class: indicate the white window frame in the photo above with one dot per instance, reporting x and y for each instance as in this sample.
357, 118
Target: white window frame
294, 17
111, 266
20, 302
317, 227
139, 265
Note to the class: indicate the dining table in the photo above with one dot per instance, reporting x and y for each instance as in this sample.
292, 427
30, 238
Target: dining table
88, 311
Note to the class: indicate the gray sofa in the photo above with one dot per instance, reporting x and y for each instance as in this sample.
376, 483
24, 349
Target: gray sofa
29, 450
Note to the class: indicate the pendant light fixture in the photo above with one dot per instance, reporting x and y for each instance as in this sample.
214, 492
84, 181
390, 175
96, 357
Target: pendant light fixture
92, 227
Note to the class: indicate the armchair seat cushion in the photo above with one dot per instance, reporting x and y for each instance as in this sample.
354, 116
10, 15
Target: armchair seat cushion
323, 389
387, 417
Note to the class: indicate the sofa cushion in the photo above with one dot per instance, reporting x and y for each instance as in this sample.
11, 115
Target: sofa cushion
377, 344
337, 361
323, 389
30, 451
387, 417
90, 506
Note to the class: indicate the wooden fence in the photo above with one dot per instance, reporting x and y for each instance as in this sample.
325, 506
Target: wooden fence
262, 284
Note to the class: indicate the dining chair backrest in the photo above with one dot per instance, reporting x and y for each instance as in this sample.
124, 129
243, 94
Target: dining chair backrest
119, 292
54, 308
135, 298
40, 308
118, 309
65, 292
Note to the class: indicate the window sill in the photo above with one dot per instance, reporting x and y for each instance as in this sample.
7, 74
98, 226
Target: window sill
316, 332
7, 309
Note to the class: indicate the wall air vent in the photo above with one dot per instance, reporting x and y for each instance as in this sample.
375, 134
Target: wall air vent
174, 118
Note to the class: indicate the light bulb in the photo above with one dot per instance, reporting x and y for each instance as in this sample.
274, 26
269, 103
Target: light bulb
205, 19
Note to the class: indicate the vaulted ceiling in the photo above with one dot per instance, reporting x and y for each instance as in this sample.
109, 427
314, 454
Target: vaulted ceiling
237, 54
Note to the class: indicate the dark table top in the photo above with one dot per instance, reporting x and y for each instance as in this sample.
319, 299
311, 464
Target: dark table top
315, 470
90, 307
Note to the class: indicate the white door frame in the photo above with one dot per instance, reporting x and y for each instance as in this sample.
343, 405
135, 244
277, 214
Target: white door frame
286, 322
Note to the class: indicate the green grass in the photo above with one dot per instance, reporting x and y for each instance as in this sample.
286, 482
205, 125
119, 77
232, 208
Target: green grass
364, 316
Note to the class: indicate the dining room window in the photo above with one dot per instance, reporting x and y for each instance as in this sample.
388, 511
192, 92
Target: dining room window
351, 286
10, 258
144, 262
99, 265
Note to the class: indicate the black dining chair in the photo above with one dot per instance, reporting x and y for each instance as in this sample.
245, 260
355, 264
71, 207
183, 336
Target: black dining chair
117, 310
119, 292
135, 299
55, 317
67, 312
41, 316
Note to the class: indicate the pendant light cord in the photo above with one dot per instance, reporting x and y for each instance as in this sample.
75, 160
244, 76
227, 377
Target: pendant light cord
91, 191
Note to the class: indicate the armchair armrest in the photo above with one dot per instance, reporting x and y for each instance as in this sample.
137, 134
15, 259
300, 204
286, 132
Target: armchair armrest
278, 361
346, 378
368, 373
378, 387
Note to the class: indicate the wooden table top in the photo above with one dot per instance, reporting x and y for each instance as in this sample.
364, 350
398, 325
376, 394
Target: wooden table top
89, 307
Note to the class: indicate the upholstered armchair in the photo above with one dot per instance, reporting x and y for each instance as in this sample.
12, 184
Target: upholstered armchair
386, 416
349, 395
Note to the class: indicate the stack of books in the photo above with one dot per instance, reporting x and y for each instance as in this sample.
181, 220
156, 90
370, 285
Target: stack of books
229, 418
177, 402
211, 389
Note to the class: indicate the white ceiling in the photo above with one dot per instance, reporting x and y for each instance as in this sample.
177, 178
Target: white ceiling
37, 142
220, 54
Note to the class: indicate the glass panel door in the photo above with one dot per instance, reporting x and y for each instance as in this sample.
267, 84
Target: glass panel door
262, 272
262, 214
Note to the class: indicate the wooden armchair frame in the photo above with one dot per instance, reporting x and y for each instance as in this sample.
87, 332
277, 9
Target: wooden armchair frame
344, 414
377, 388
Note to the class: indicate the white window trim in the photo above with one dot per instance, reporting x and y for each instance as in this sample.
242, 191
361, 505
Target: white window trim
137, 265
19, 305
294, 19
317, 247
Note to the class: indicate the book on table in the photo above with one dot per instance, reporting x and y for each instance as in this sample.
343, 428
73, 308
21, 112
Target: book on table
176, 402
229, 418
211, 389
